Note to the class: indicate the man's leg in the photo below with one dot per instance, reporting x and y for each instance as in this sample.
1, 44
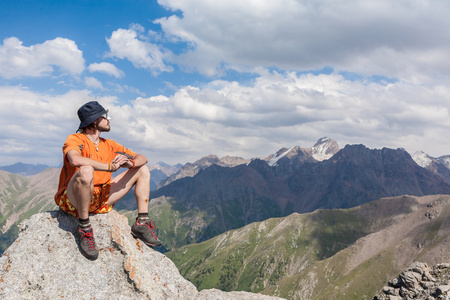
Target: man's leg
80, 190
121, 185
79, 193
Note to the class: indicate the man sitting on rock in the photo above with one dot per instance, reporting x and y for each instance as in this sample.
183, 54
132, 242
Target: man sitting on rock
85, 184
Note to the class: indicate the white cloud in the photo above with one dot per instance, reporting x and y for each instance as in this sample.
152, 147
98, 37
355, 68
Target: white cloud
38, 60
93, 82
405, 40
278, 110
36, 125
106, 68
226, 118
382, 37
126, 44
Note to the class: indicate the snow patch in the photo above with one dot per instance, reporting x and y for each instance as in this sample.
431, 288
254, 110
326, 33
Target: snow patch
320, 150
274, 160
422, 159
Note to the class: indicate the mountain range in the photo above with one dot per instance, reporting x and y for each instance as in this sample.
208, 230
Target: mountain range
217, 199
353, 193
200, 200
24, 169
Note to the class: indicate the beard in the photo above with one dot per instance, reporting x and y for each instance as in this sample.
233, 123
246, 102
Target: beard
103, 128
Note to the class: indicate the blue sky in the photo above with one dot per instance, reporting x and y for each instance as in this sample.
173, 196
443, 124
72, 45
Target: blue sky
188, 78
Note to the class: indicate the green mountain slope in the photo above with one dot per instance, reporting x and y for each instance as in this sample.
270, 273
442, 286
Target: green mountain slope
327, 254
22, 197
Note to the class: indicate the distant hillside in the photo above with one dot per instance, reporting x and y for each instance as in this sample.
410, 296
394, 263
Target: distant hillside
218, 199
156, 176
191, 169
24, 169
22, 197
326, 254
160, 172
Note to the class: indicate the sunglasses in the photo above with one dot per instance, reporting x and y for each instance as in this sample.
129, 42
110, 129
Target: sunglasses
106, 115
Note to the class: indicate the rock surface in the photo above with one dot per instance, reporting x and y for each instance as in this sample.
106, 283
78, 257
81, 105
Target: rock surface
45, 262
419, 281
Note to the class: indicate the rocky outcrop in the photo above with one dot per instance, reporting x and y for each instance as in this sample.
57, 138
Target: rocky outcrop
45, 262
419, 281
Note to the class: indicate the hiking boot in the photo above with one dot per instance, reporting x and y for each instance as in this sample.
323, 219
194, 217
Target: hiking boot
87, 242
145, 233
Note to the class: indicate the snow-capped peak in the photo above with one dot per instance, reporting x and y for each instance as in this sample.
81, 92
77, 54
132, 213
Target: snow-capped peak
324, 149
422, 159
273, 161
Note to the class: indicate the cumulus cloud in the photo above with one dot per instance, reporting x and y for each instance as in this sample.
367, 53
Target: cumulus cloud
35, 125
390, 38
226, 118
93, 83
129, 44
400, 40
38, 60
106, 68
282, 110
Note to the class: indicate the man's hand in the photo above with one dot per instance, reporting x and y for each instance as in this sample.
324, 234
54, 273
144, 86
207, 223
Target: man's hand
121, 161
125, 160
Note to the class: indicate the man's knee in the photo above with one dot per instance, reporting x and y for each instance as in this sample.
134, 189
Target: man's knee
144, 172
85, 175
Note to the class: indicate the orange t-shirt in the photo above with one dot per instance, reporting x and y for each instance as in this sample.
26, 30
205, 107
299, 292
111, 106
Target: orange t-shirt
81, 143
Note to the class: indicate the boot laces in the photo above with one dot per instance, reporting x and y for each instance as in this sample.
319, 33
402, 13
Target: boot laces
89, 239
150, 225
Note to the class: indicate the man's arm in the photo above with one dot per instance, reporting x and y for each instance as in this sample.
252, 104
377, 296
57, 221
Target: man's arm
77, 160
139, 160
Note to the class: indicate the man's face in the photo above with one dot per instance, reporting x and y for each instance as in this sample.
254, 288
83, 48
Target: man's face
103, 124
